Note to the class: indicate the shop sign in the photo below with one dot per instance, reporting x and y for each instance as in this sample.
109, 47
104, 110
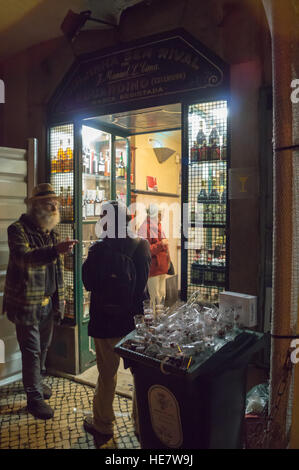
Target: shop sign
165, 416
155, 69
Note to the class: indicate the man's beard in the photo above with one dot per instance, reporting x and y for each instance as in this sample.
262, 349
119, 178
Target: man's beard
45, 219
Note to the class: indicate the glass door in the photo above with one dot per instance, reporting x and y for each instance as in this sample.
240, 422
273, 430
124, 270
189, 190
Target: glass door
103, 175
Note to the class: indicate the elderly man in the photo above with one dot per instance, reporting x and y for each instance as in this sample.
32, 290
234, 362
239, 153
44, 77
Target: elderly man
33, 291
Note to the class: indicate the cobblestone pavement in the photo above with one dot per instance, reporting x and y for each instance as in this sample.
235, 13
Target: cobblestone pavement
71, 401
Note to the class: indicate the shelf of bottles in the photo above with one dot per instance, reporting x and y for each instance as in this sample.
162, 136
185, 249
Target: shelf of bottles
62, 179
96, 183
207, 197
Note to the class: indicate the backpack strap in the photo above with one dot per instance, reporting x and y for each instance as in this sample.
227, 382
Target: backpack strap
130, 253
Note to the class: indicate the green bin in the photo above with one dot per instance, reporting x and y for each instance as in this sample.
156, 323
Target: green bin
200, 407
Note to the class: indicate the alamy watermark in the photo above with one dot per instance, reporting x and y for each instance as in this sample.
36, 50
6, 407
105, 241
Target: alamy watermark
295, 93
2, 352
2, 92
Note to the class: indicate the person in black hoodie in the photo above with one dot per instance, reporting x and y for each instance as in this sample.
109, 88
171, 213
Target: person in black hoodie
116, 272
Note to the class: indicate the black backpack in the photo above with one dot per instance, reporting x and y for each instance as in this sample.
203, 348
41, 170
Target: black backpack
118, 281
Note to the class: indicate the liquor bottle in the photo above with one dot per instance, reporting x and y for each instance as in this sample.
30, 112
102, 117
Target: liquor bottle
121, 167
87, 160
192, 215
107, 164
69, 204
201, 140
213, 201
101, 164
214, 143
224, 147
91, 159
202, 197
214, 197
60, 158
223, 195
95, 164
61, 203
97, 203
83, 160
83, 206
194, 153
68, 158
89, 206
54, 165
223, 204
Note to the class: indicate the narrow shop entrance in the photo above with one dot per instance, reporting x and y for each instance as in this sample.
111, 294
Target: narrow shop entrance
164, 146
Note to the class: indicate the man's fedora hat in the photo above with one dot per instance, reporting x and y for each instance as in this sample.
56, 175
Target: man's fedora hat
43, 191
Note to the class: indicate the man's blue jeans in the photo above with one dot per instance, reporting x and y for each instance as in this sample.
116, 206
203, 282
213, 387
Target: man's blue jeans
34, 341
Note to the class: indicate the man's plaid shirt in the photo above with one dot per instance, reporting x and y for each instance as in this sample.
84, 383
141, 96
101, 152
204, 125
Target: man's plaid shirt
30, 251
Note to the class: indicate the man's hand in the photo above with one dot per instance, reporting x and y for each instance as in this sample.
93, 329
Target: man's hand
65, 246
165, 241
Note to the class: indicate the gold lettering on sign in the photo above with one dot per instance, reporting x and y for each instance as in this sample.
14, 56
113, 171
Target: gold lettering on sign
180, 56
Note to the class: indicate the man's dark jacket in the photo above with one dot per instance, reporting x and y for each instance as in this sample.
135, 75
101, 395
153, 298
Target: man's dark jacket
99, 325
30, 252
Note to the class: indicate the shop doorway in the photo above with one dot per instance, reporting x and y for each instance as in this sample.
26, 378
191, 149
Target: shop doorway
135, 157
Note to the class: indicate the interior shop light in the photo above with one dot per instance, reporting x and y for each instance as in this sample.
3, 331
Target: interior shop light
162, 153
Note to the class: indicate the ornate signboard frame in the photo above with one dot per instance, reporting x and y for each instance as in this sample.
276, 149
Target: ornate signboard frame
171, 67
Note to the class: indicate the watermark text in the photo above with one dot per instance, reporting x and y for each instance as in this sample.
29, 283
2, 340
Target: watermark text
2, 352
2, 92
295, 93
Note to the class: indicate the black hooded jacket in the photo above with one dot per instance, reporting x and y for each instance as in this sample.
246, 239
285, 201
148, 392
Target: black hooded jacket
99, 325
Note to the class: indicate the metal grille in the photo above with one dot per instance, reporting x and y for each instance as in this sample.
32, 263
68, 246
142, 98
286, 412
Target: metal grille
207, 198
66, 230
62, 168
62, 179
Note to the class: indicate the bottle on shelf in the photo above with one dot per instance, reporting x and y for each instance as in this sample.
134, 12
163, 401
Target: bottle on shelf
54, 165
107, 164
223, 204
83, 160
97, 203
192, 214
83, 206
61, 203
69, 204
224, 147
60, 158
91, 159
68, 158
194, 153
213, 202
214, 197
101, 164
95, 164
214, 143
121, 167
89, 205
202, 197
201, 140
87, 160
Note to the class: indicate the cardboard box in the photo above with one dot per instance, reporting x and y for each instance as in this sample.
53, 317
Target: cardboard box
245, 307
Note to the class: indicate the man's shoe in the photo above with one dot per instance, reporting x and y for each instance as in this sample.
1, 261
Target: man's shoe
40, 409
47, 392
89, 427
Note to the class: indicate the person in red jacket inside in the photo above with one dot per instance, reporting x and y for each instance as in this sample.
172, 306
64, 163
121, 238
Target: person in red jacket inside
151, 229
